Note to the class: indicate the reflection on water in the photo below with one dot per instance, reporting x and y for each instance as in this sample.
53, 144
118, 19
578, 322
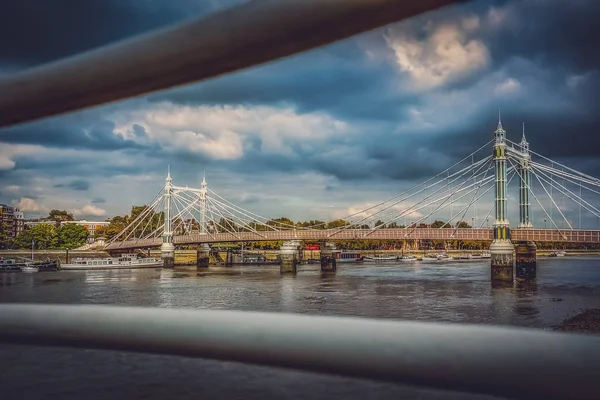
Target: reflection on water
452, 291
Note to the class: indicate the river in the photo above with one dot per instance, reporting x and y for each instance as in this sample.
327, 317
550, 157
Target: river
455, 292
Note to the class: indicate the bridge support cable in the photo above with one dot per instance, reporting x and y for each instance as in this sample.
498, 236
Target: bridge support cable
472, 202
456, 176
552, 200
541, 206
253, 215
247, 224
244, 220
593, 179
568, 177
474, 188
406, 192
231, 215
569, 194
132, 226
475, 198
443, 199
465, 209
475, 172
471, 189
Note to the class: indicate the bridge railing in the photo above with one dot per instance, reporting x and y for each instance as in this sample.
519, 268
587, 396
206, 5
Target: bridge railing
537, 235
510, 362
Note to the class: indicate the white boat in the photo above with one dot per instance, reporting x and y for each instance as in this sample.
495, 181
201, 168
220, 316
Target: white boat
125, 261
558, 253
347, 256
29, 268
407, 258
436, 257
380, 258
486, 254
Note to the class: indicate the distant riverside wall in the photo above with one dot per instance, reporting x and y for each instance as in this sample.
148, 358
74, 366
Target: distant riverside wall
188, 257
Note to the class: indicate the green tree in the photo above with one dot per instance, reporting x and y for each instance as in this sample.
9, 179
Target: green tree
379, 223
116, 225
280, 222
338, 223
5, 240
60, 215
462, 225
71, 236
438, 224
44, 236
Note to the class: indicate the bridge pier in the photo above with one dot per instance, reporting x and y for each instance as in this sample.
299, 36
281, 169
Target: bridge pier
525, 260
328, 257
288, 255
167, 253
502, 260
203, 256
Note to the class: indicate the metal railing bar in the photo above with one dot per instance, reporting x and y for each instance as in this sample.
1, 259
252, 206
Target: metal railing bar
517, 363
239, 37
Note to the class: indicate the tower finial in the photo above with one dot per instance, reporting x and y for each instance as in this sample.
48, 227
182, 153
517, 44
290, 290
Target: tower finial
524, 140
499, 120
169, 171
204, 178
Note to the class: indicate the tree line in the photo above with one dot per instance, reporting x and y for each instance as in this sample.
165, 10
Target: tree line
50, 233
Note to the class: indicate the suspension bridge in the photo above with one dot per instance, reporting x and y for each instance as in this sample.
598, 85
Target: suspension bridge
562, 196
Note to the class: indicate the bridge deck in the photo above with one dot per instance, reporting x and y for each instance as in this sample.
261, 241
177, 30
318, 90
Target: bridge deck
540, 235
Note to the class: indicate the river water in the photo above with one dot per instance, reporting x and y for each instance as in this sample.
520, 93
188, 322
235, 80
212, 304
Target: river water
455, 292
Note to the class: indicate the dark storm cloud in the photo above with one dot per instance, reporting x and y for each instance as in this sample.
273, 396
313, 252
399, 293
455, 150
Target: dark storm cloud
339, 79
68, 132
34, 32
77, 184
551, 33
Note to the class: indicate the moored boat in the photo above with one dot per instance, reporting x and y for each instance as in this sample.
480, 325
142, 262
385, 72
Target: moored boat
347, 256
436, 257
125, 261
29, 268
405, 258
380, 258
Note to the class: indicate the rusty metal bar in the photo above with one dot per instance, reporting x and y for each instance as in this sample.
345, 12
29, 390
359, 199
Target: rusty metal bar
511, 362
240, 37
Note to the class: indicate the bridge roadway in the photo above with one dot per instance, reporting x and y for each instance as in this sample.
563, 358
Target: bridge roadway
538, 235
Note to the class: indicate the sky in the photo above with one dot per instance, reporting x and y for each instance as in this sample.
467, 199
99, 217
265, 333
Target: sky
313, 135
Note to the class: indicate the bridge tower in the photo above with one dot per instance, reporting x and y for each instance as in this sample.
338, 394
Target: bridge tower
501, 248
167, 249
525, 178
526, 251
203, 251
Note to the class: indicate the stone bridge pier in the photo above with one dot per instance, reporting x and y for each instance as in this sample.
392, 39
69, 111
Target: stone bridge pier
202, 256
328, 257
289, 256
525, 260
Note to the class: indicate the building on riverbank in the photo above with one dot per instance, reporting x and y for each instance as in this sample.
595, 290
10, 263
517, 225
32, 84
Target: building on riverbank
12, 219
